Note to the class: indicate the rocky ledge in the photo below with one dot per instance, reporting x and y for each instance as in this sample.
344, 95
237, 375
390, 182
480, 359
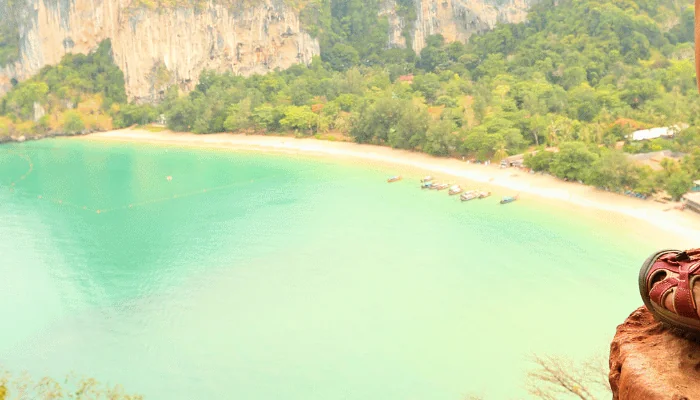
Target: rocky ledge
23, 138
647, 361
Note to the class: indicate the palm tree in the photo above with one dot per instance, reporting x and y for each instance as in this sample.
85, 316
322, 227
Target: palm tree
553, 134
500, 152
584, 134
599, 133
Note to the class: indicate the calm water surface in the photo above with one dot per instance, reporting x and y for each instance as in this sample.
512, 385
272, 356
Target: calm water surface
255, 276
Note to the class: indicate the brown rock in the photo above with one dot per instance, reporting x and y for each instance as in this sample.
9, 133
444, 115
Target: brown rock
649, 362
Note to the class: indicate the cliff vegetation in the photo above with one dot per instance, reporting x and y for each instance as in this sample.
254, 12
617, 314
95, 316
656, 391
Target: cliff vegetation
9, 32
71, 97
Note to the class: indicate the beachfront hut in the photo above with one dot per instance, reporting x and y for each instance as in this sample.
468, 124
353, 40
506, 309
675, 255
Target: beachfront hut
696, 186
517, 161
692, 201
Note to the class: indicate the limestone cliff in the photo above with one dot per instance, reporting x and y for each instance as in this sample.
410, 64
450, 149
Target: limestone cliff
155, 48
453, 19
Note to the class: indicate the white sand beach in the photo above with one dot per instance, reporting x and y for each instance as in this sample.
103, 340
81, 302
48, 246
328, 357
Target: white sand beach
684, 226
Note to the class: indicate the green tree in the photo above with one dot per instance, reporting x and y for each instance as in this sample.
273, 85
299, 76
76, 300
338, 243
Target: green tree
428, 85
434, 55
409, 130
573, 161
572, 77
692, 164
612, 170
647, 181
540, 161
441, 139
678, 183
268, 117
181, 115
131, 114
20, 101
299, 118
239, 116
343, 56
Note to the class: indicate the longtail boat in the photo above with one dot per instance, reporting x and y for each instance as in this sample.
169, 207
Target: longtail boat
394, 179
426, 179
508, 199
470, 195
483, 195
455, 189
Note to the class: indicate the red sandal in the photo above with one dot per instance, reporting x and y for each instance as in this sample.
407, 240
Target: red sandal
667, 283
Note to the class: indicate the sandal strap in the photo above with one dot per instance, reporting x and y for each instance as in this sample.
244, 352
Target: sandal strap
683, 302
692, 254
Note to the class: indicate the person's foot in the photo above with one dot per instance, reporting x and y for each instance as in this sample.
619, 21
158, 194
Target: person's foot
669, 283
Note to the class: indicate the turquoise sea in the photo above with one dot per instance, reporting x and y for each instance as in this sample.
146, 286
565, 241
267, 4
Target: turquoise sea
251, 276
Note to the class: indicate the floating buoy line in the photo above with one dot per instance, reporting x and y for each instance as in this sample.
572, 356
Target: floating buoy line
30, 168
13, 188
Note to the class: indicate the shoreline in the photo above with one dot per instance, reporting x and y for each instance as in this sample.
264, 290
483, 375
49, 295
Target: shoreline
683, 224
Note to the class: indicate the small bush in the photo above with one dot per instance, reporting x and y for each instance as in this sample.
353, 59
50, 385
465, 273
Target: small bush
73, 122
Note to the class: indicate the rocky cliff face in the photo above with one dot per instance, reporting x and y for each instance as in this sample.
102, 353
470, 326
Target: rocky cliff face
648, 362
155, 48
453, 19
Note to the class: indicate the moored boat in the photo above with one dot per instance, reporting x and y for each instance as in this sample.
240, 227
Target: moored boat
440, 186
470, 195
483, 195
508, 199
426, 185
455, 189
426, 179
394, 178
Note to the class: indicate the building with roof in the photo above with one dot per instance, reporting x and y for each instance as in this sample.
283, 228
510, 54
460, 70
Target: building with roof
517, 161
406, 78
654, 158
692, 201
653, 133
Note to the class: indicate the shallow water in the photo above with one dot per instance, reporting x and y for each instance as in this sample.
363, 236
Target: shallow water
255, 276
